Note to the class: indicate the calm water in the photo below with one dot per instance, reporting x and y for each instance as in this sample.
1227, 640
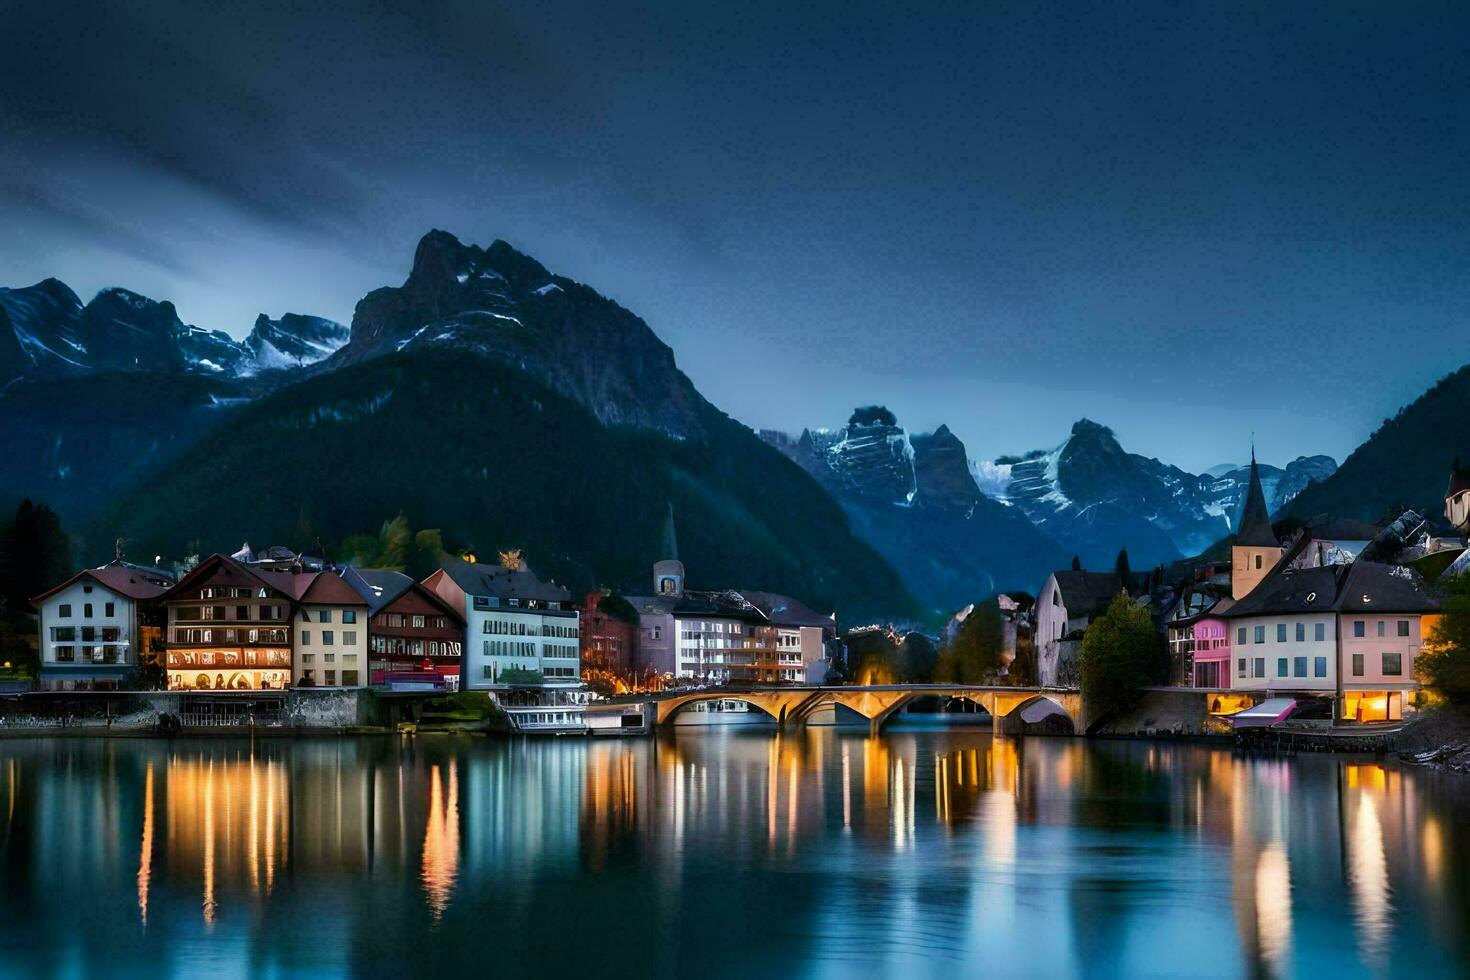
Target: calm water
715, 854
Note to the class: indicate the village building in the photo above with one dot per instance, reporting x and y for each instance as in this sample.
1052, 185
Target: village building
98, 627
1381, 614
1457, 498
607, 645
415, 638
1255, 550
1067, 603
229, 627
331, 636
519, 631
1284, 633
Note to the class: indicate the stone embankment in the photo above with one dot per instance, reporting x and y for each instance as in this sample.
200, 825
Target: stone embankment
1440, 738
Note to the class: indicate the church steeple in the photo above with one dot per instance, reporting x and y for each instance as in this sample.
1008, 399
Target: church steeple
1256, 549
669, 541
668, 571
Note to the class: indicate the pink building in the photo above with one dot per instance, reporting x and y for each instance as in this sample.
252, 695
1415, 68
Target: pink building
1212, 653
1381, 613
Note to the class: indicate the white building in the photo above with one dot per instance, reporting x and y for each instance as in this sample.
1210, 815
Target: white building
95, 628
331, 635
519, 631
1068, 602
1283, 634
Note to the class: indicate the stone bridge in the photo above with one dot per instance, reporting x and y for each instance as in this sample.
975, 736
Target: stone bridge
791, 706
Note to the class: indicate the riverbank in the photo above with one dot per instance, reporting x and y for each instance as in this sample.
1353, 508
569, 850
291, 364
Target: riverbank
1438, 738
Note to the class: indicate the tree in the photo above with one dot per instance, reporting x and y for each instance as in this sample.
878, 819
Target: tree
977, 650
1122, 654
917, 658
35, 554
1125, 573
1445, 658
1076, 563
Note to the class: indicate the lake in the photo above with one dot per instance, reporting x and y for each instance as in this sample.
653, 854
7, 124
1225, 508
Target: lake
712, 854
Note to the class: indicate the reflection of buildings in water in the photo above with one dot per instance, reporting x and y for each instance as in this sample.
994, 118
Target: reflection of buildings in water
145, 848
1273, 907
618, 799
441, 839
228, 823
1368, 879
527, 800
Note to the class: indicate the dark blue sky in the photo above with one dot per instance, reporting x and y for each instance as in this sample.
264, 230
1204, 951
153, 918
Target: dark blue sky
1189, 221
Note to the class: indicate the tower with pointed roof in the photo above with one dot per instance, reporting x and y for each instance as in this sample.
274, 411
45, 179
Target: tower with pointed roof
668, 571
1256, 549
1457, 497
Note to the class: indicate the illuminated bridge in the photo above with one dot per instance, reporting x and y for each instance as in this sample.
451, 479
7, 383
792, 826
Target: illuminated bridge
791, 706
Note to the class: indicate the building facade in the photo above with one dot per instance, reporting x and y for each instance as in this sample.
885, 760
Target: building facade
331, 636
229, 627
99, 626
1066, 604
1381, 626
415, 638
519, 631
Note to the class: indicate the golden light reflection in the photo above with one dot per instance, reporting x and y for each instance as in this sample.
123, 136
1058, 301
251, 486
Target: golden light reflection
216, 813
1273, 907
145, 852
1368, 874
441, 841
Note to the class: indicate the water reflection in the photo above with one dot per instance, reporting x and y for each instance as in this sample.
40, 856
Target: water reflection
812, 852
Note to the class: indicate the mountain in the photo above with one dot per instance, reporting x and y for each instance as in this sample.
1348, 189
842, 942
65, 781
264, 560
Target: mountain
1093, 497
913, 497
1405, 463
484, 396
46, 332
94, 397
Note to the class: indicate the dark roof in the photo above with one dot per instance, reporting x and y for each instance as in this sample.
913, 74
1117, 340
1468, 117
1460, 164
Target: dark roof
786, 611
1087, 593
282, 582
1291, 590
646, 605
1374, 587
133, 581
1459, 479
487, 580
1255, 520
328, 588
379, 586
728, 604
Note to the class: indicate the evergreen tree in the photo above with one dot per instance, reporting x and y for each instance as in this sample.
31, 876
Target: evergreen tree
1125, 573
1121, 654
1076, 563
35, 554
1445, 659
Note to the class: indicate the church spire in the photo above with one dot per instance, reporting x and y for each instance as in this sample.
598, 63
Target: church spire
1255, 520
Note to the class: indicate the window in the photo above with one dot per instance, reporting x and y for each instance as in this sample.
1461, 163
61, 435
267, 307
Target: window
1240, 667
349, 615
1280, 632
1300, 666
1258, 561
1281, 666
349, 678
325, 616
1358, 628
108, 609
1260, 666
1320, 667
1301, 632
1381, 627
306, 675
1357, 665
418, 622
1240, 638
64, 610
1393, 664
329, 678
326, 638
308, 658
306, 638
1403, 627
349, 638
1321, 632
242, 612
1260, 634
87, 609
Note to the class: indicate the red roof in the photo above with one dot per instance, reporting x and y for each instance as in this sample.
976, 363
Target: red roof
328, 589
122, 578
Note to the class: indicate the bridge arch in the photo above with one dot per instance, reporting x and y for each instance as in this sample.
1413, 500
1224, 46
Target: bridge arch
1040, 714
